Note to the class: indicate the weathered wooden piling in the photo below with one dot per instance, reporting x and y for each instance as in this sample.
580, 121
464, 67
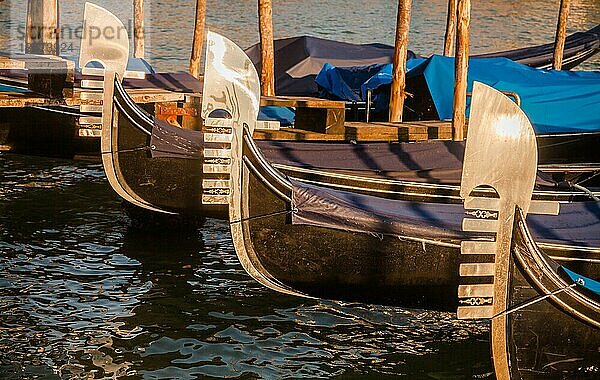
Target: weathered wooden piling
450, 28
199, 24
561, 34
461, 67
398, 89
267, 53
42, 34
138, 29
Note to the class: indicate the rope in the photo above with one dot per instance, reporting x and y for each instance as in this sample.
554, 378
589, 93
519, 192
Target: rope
596, 174
587, 191
262, 216
58, 111
537, 299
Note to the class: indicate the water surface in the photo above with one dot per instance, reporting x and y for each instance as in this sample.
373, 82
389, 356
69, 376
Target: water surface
84, 295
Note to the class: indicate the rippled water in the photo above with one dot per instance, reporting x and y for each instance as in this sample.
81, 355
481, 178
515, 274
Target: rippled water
83, 295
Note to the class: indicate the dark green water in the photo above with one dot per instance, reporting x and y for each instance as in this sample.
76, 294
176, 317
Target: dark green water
83, 295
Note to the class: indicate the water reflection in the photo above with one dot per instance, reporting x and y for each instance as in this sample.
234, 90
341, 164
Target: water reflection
82, 295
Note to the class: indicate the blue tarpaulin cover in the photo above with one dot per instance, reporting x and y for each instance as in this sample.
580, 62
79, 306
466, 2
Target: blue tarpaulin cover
588, 283
555, 101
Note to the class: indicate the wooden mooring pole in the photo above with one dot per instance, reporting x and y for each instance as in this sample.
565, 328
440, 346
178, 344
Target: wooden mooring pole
461, 68
267, 53
398, 89
198, 38
561, 34
138, 29
450, 29
42, 34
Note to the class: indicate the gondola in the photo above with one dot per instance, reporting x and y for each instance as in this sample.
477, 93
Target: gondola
545, 317
55, 131
309, 240
298, 60
148, 153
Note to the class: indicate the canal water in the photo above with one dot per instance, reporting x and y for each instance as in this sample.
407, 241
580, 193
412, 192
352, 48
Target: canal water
82, 294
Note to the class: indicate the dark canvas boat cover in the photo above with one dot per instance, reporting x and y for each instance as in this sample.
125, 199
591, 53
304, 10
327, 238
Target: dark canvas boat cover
576, 45
554, 101
379, 157
298, 60
434, 161
578, 223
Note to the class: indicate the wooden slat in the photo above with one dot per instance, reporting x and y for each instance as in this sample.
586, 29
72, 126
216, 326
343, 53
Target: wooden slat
307, 102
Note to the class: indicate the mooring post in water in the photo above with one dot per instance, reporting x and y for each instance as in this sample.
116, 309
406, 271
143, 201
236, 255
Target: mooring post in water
42, 32
267, 53
398, 90
461, 68
561, 34
138, 29
198, 37
450, 29
193, 104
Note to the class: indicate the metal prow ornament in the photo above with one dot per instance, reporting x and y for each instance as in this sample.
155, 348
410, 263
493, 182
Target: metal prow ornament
501, 152
113, 54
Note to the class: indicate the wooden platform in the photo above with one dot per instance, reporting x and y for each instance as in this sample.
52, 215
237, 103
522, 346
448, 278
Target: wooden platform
312, 114
18, 100
363, 132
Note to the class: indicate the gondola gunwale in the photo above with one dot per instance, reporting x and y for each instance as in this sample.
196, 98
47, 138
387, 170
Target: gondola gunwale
544, 276
399, 188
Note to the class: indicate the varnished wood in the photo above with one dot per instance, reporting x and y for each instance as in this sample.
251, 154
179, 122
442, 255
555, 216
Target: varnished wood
267, 52
42, 27
17, 100
138, 29
461, 68
300, 101
450, 28
400, 54
357, 131
561, 34
199, 25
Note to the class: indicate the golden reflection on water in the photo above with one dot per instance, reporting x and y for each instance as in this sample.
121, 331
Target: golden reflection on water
496, 24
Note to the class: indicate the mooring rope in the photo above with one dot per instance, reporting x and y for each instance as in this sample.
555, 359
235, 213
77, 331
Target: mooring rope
58, 111
263, 216
537, 299
587, 191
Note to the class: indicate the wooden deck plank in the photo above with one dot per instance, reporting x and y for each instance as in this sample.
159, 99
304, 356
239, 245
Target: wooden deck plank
364, 132
306, 102
17, 100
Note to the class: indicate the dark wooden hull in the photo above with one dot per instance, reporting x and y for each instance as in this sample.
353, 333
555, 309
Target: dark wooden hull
175, 183
558, 337
172, 184
411, 270
45, 132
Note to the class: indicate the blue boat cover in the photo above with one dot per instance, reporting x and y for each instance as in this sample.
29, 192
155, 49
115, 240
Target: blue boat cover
555, 101
587, 283
284, 115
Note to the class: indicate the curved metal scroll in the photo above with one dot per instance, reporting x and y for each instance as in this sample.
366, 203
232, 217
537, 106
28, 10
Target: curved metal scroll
105, 40
231, 82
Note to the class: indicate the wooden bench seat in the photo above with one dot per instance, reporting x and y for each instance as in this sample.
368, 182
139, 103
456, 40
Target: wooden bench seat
312, 114
48, 75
